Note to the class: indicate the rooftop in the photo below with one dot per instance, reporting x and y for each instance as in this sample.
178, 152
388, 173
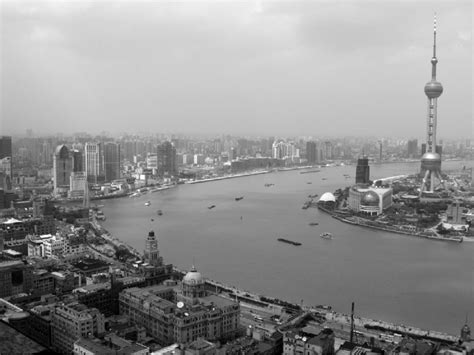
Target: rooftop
13, 342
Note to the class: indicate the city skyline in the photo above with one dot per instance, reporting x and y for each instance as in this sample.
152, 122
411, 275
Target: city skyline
261, 68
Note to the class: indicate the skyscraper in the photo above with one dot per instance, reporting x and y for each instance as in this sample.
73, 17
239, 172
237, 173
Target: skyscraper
77, 161
94, 162
312, 152
62, 168
412, 148
431, 160
112, 161
6, 160
362, 171
166, 159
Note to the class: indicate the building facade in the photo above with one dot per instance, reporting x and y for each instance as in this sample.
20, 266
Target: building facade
166, 159
112, 160
62, 168
94, 162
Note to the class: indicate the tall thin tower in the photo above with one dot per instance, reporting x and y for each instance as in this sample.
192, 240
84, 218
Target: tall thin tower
431, 161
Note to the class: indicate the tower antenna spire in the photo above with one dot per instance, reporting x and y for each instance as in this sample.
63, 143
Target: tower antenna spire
434, 60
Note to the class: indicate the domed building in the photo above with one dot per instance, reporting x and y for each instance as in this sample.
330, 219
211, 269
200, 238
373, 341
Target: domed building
369, 200
181, 312
193, 286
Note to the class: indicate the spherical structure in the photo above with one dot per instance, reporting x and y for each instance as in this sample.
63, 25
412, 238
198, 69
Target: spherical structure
327, 197
193, 277
433, 89
431, 161
370, 198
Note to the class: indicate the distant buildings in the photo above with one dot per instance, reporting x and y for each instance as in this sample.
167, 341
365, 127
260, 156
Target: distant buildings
412, 149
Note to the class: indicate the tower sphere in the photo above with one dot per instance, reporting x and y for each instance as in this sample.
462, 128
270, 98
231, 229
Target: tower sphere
433, 89
370, 198
431, 161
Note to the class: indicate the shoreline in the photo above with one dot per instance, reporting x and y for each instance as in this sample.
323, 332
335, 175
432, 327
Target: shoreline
456, 239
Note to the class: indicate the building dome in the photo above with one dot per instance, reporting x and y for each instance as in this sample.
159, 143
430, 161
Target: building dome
433, 89
370, 198
193, 277
327, 197
431, 157
62, 151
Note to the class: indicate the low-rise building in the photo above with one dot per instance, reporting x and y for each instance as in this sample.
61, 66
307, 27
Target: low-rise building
111, 344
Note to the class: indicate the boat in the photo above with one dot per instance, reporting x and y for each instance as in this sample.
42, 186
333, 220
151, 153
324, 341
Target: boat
326, 235
148, 203
309, 182
323, 179
211, 207
288, 241
159, 212
100, 215
309, 171
239, 198
314, 224
269, 185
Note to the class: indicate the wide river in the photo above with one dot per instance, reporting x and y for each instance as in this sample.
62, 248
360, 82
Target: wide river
401, 279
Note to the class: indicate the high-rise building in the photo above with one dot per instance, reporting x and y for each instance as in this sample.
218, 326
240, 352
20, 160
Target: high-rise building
77, 161
152, 254
362, 171
312, 152
94, 162
15, 278
62, 168
6, 157
412, 148
431, 160
166, 159
112, 161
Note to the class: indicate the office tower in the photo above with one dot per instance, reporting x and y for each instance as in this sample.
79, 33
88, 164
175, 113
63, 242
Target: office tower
15, 277
362, 171
311, 152
112, 161
77, 161
166, 159
152, 254
431, 160
6, 156
94, 162
412, 148
380, 150
328, 151
62, 168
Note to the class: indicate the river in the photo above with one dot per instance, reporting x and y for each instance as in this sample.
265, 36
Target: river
396, 278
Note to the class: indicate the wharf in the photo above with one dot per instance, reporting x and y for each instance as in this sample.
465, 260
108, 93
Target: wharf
229, 177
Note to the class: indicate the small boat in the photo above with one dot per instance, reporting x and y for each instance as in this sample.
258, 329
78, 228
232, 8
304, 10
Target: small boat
148, 203
289, 241
326, 235
159, 212
323, 179
211, 207
314, 224
239, 198
269, 185
309, 182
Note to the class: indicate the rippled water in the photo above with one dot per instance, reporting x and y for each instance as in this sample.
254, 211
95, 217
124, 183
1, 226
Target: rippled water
392, 277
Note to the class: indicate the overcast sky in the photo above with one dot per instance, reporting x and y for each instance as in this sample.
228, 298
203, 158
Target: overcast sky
258, 67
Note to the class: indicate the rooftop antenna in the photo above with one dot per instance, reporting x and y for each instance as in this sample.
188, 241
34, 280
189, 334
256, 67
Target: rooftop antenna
434, 60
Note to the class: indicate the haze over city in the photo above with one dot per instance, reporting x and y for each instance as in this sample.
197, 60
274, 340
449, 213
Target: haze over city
256, 67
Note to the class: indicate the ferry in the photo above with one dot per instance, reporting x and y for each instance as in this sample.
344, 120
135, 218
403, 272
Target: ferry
239, 198
289, 241
269, 185
100, 216
211, 207
314, 224
326, 235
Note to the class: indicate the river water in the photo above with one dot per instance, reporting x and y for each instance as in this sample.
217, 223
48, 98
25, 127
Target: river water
401, 279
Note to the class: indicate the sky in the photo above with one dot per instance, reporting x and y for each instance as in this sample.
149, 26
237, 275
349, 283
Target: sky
320, 68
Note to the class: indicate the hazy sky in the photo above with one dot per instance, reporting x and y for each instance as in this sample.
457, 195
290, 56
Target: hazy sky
240, 67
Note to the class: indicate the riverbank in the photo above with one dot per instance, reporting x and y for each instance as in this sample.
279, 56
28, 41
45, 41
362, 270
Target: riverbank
357, 221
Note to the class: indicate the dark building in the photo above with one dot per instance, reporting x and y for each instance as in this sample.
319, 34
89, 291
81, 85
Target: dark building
412, 148
112, 161
77, 161
362, 171
6, 161
15, 277
166, 159
312, 152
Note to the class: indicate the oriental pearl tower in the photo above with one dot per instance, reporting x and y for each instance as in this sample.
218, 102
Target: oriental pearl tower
431, 161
